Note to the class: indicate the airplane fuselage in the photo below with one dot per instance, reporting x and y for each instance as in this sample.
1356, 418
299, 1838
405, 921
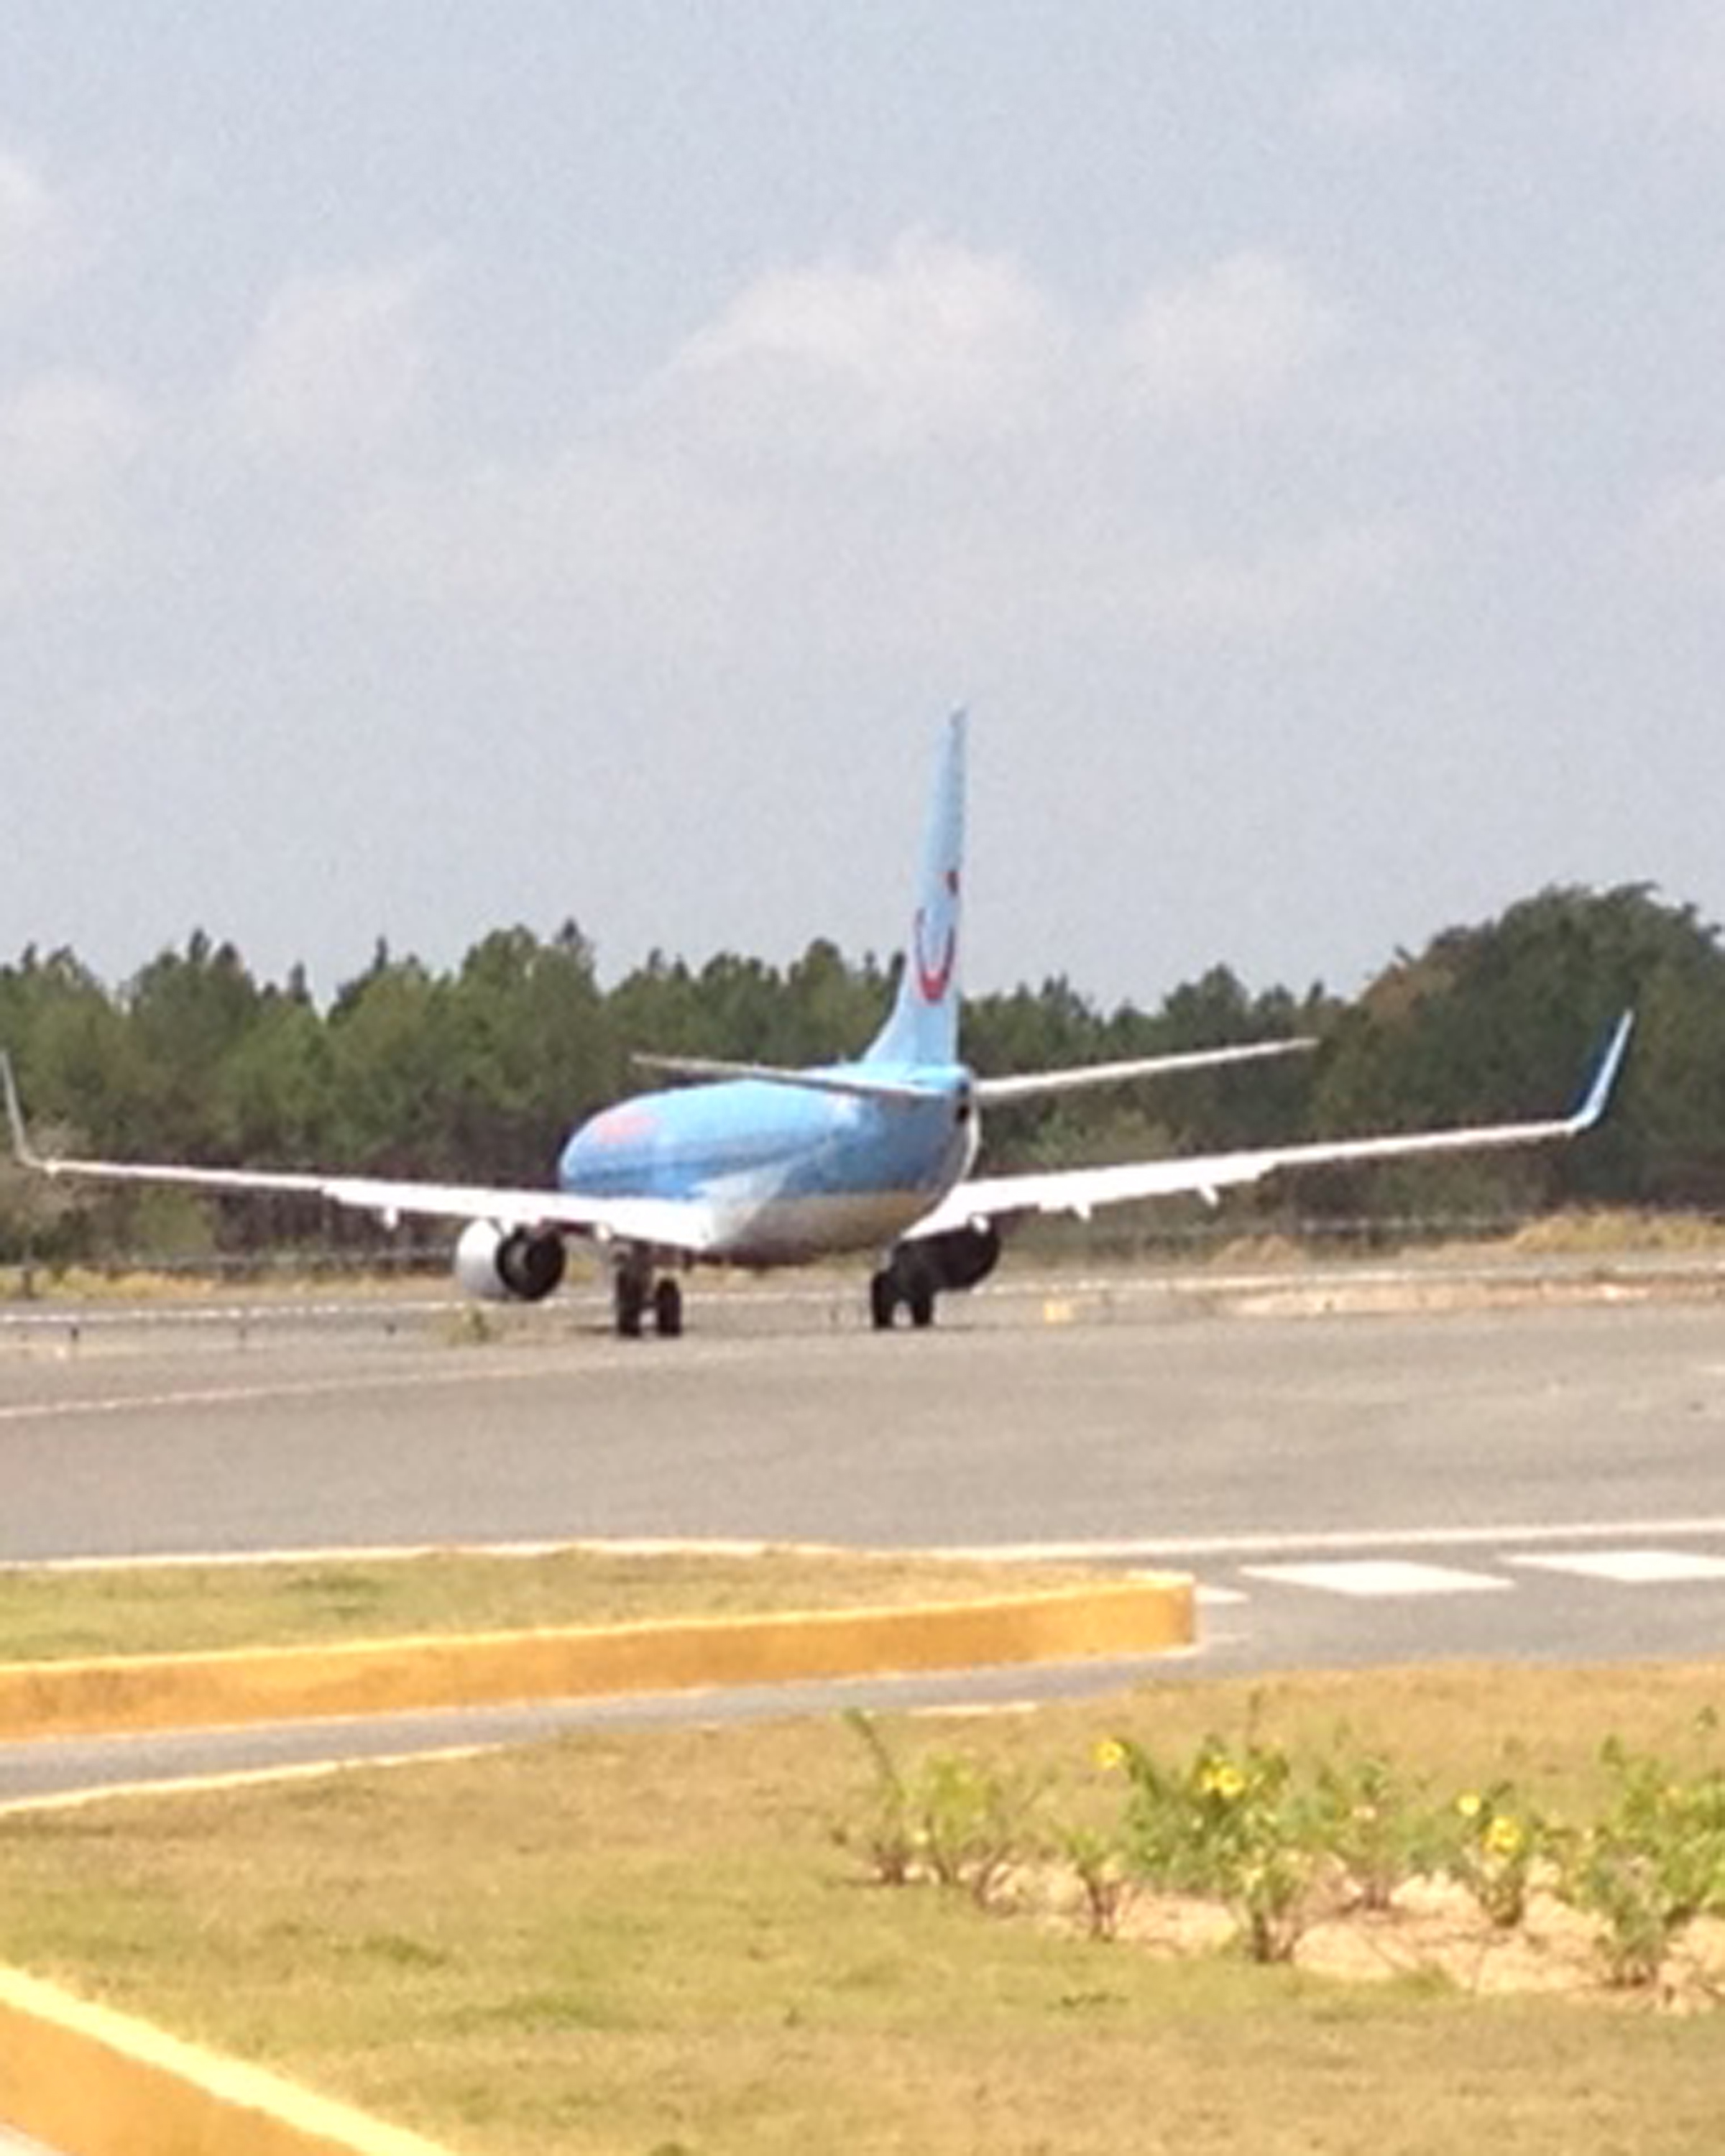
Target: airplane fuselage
783, 1174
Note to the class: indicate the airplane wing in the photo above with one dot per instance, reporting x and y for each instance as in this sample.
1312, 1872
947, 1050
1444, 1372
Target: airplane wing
665, 1223
1080, 1190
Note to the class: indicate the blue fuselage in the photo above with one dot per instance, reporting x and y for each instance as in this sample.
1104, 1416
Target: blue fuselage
782, 1174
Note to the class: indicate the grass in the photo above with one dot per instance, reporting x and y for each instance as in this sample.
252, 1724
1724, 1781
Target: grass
1606, 1232
1602, 1231
54, 1614
650, 1944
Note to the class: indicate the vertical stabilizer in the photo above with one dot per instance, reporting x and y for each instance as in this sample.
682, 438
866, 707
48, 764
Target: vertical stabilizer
923, 1027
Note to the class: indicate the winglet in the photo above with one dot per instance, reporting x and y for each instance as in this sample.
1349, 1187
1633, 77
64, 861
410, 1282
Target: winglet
1592, 1105
23, 1152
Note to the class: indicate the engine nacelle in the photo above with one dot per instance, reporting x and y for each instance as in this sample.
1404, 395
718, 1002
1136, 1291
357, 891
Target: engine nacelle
508, 1265
959, 1258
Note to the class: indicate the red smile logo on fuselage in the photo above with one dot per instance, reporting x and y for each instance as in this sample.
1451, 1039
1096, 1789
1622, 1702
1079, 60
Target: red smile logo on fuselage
935, 977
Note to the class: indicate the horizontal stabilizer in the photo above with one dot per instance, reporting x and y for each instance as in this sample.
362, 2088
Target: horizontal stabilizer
1022, 1084
851, 1081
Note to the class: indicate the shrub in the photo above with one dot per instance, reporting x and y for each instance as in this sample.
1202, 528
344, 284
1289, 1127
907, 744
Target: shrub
1652, 1863
1234, 1827
1374, 1823
1493, 1843
954, 1820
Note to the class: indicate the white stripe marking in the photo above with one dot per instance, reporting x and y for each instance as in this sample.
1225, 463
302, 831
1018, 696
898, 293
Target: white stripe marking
228, 1396
1379, 1578
1178, 1549
1633, 1568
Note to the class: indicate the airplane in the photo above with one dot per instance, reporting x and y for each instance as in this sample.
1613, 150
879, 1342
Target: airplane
756, 1165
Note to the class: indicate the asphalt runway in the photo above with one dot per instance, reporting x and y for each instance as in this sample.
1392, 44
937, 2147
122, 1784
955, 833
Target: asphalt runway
1347, 1489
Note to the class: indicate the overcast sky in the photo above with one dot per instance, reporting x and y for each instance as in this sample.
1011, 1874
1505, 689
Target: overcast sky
463, 465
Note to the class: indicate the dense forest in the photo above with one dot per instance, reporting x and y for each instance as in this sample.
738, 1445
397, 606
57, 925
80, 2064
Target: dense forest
478, 1074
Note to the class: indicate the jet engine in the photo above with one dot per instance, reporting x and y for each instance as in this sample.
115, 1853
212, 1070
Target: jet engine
506, 1265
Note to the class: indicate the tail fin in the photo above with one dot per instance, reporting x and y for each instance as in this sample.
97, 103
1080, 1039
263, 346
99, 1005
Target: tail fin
923, 1027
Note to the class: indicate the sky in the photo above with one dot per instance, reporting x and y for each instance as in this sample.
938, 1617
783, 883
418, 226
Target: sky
466, 465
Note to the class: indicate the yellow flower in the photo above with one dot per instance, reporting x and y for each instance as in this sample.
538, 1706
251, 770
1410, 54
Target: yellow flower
1110, 1754
1470, 1804
1504, 1837
1223, 1779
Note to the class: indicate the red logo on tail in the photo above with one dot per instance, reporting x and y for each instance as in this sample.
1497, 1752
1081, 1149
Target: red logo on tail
934, 979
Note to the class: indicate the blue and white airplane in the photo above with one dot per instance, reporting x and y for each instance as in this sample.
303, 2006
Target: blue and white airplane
758, 1166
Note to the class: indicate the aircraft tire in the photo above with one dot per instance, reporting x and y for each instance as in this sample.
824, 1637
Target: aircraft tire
668, 1309
883, 1300
628, 1301
919, 1296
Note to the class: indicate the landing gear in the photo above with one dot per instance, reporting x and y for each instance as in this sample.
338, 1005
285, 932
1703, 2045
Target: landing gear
629, 1299
633, 1288
916, 1271
901, 1282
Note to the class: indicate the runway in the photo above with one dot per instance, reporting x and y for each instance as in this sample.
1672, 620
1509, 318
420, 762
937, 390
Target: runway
1347, 1489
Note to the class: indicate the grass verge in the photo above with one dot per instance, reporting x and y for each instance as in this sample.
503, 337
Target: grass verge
60, 1614
651, 1943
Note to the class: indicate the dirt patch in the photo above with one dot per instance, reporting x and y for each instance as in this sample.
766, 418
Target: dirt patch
1432, 1929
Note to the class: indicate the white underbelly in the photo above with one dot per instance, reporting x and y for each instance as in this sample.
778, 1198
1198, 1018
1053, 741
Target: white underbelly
787, 1231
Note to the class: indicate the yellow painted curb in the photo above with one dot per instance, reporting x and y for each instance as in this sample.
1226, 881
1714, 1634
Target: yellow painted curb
93, 2082
1145, 1615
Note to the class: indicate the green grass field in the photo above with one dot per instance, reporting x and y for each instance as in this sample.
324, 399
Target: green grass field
652, 1943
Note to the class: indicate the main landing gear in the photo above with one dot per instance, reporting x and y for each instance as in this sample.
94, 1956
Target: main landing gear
634, 1290
918, 1269
895, 1284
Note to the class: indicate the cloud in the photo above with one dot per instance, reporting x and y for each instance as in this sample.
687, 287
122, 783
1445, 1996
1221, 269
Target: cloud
929, 455
1667, 68
40, 240
337, 368
1682, 535
1361, 101
1287, 587
67, 442
939, 346
1227, 342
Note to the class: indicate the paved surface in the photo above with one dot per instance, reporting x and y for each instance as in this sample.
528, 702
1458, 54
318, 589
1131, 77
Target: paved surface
1347, 1489
1524, 1483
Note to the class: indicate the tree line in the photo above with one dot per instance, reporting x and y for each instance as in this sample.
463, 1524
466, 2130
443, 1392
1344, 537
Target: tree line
477, 1073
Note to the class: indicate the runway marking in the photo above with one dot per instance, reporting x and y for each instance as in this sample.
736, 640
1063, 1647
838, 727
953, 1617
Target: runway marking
1633, 1568
1379, 1578
221, 1396
1178, 1548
